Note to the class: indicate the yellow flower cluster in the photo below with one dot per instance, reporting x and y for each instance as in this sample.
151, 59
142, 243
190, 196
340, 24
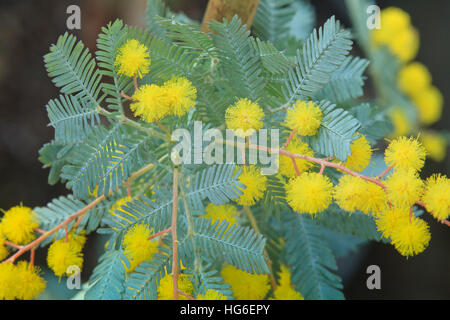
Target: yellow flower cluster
400, 121
63, 254
175, 97
435, 145
244, 117
255, 184
437, 196
397, 34
246, 286
137, 247
226, 212
18, 224
414, 80
211, 294
20, 281
286, 165
132, 59
360, 154
305, 117
285, 290
165, 288
405, 153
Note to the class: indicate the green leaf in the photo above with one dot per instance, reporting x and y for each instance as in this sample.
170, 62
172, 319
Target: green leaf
274, 61
107, 280
322, 54
73, 70
310, 259
236, 245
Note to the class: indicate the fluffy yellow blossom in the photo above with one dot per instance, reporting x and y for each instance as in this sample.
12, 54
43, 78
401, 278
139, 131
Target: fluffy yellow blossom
137, 247
255, 184
350, 193
7, 281
405, 153
304, 117
180, 96
437, 196
397, 34
226, 212
244, 117
62, 254
412, 237
435, 145
287, 166
132, 58
246, 286
402, 125
403, 188
390, 219
360, 154
20, 281
376, 200
18, 224
429, 103
151, 103
3, 250
413, 78
285, 290
211, 294
165, 288
309, 193
28, 282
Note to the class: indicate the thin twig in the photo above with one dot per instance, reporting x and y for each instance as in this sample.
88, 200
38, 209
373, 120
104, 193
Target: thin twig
384, 172
293, 132
174, 235
186, 295
32, 254
135, 82
12, 244
153, 236
123, 94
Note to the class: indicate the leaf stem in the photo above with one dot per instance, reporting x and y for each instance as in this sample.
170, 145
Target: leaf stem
174, 234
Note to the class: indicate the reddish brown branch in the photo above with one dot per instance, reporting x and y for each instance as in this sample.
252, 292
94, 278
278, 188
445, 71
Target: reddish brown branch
186, 295
159, 233
174, 235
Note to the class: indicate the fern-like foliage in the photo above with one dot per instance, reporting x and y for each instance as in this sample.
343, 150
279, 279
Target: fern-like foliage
71, 119
323, 53
207, 277
108, 277
336, 132
143, 282
72, 69
346, 82
238, 61
274, 61
236, 245
310, 259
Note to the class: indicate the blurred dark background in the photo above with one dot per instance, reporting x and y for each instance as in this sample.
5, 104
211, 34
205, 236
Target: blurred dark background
27, 28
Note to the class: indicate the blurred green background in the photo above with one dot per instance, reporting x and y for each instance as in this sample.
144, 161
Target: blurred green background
27, 28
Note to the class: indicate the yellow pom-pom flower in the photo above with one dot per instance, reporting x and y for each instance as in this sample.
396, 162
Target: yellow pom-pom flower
165, 288
8, 281
137, 247
63, 254
246, 286
397, 34
404, 153
429, 103
244, 117
350, 193
309, 193
437, 196
304, 117
226, 212
435, 145
285, 290
412, 237
403, 188
132, 59
18, 224
402, 125
413, 78
287, 166
375, 199
3, 250
180, 96
28, 282
390, 219
211, 294
255, 184
151, 103
360, 154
